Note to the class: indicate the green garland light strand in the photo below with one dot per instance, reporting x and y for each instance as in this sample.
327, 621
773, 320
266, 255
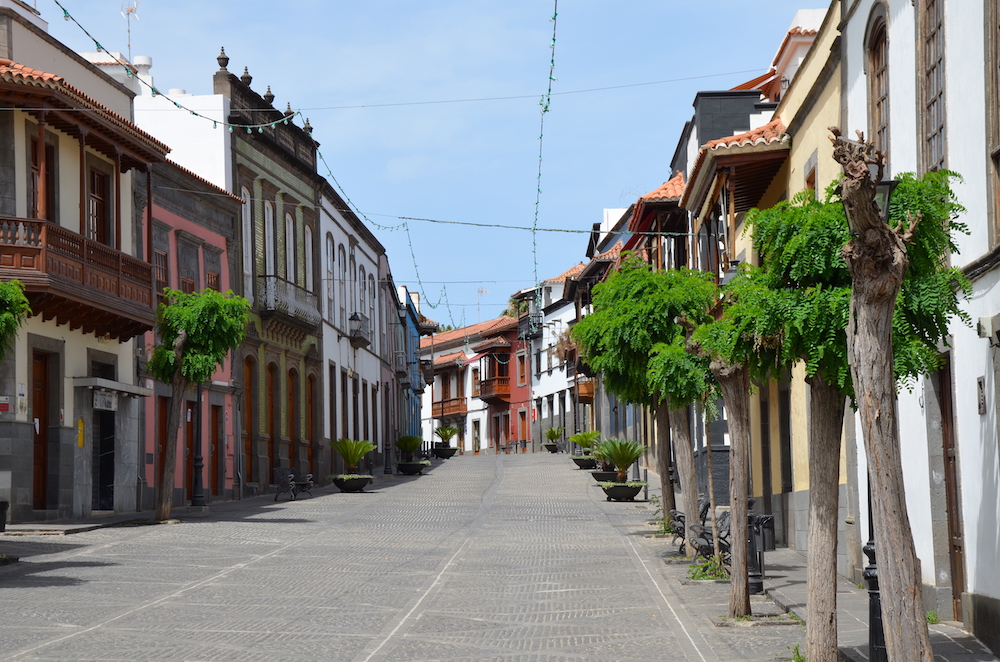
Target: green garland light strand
128, 72
545, 103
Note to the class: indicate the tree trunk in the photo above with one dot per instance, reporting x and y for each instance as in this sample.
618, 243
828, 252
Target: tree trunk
179, 384
877, 261
711, 493
735, 384
681, 434
663, 459
826, 422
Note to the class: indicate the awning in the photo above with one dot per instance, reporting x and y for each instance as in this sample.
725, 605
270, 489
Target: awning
111, 385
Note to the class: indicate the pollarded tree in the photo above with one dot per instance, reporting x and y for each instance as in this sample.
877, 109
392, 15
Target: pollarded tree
14, 309
795, 307
196, 333
900, 282
634, 312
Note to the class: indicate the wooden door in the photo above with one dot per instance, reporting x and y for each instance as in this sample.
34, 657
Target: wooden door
40, 418
189, 432
292, 411
956, 542
162, 412
272, 423
215, 449
249, 421
310, 422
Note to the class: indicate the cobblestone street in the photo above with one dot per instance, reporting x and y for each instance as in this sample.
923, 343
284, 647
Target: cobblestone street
510, 557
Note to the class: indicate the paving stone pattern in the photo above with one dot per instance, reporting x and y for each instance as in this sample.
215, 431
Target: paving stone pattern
510, 557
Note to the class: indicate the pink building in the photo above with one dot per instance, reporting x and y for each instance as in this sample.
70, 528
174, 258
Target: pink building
194, 245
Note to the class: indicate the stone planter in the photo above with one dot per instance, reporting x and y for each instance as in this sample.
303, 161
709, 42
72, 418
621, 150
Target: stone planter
445, 452
352, 483
584, 461
604, 476
621, 491
410, 468
552, 448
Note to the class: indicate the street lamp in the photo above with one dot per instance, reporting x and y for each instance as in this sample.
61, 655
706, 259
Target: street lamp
354, 325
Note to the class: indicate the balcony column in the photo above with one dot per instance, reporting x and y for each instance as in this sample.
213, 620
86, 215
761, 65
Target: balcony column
43, 172
118, 199
83, 181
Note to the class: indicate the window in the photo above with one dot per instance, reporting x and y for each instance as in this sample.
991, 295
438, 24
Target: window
98, 199
308, 262
246, 218
187, 285
363, 288
212, 280
878, 81
354, 284
35, 181
932, 18
290, 274
342, 284
160, 271
371, 298
268, 239
475, 381
522, 369
329, 277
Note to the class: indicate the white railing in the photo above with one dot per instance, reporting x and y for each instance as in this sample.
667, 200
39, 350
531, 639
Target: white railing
281, 296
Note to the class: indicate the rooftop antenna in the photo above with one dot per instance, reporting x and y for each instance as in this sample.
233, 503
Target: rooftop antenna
479, 294
129, 11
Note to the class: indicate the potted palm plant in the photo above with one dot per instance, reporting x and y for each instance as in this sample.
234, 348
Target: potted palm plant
408, 445
553, 435
606, 471
622, 453
586, 441
443, 449
353, 451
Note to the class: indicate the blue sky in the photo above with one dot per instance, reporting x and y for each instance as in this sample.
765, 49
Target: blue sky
469, 161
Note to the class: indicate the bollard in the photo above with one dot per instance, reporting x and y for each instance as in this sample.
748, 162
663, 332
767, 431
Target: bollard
876, 635
755, 572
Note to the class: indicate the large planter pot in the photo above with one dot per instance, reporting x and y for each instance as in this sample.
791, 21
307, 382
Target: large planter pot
552, 448
621, 491
351, 483
410, 468
445, 452
584, 461
604, 476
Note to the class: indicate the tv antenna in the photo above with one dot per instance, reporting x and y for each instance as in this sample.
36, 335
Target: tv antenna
130, 9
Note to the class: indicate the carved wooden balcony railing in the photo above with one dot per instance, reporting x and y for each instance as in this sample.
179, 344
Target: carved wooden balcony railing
585, 391
77, 281
495, 389
451, 407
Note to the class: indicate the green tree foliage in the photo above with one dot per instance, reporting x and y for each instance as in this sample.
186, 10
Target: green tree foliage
212, 325
796, 304
14, 309
196, 333
631, 336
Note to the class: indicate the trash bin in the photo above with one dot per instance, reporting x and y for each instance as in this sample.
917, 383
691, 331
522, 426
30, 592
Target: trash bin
4, 505
767, 531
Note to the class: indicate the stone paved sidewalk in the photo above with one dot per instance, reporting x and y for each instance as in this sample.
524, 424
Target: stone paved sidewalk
515, 558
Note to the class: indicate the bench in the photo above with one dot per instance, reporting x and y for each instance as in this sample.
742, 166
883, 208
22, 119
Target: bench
703, 541
289, 482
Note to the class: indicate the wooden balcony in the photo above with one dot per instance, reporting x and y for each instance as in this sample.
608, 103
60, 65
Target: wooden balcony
77, 281
451, 407
585, 391
495, 389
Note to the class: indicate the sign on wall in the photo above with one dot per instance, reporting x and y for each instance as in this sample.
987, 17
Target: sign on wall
106, 400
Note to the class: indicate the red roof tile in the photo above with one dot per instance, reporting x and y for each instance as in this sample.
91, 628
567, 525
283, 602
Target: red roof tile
478, 329
12, 72
569, 273
771, 132
450, 358
612, 253
670, 190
